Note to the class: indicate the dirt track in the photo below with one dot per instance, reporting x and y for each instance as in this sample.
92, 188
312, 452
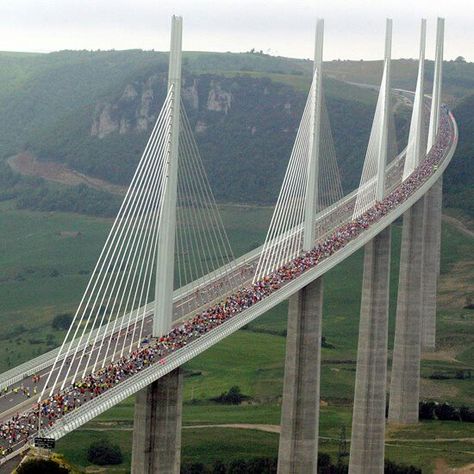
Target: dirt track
28, 165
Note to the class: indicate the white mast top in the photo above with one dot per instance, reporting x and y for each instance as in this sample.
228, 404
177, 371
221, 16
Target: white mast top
312, 194
162, 317
437, 82
383, 137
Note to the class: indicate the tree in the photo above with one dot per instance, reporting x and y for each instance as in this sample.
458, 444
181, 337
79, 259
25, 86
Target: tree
62, 321
466, 414
103, 453
233, 397
426, 411
194, 468
392, 468
40, 466
446, 412
460, 59
219, 468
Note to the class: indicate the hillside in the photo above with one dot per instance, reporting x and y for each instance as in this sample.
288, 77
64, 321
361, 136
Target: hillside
458, 178
92, 111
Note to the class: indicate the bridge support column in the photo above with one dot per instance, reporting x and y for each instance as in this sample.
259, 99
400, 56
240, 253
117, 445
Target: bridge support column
368, 420
431, 261
405, 376
298, 450
157, 426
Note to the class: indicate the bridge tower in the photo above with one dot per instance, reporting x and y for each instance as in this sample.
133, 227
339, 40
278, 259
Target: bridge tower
405, 374
158, 408
432, 211
368, 421
298, 449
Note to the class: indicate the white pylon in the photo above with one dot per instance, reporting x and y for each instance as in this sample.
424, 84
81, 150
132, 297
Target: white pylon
385, 94
437, 80
312, 192
162, 317
414, 151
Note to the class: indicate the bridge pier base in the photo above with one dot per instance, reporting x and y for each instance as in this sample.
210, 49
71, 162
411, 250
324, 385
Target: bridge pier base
405, 375
431, 261
298, 450
157, 426
368, 420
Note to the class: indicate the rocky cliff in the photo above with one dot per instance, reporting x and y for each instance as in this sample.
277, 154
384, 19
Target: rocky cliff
135, 110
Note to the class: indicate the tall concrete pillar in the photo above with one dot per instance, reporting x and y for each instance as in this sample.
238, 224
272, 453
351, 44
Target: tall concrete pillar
298, 450
368, 420
405, 375
157, 426
433, 199
431, 261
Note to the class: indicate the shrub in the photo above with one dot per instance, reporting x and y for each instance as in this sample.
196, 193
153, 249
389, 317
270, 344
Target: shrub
102, 453
219, 468
194, 468
466, 414
426, 411
62, 321
232, 397
446, 412
392, 468
40, 466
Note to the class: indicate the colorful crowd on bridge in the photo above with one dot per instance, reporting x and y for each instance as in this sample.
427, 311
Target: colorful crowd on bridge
22, 427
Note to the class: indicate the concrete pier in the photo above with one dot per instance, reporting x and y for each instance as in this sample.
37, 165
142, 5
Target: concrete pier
298, 450
405, 375
431, 261
157, 426
368, 420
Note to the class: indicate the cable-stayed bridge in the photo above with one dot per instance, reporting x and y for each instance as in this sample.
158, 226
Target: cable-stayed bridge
166, 285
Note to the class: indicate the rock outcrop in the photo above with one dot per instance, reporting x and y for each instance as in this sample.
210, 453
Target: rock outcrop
136, 108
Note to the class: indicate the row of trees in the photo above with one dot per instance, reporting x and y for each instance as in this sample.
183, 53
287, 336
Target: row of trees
430, 410
269, 466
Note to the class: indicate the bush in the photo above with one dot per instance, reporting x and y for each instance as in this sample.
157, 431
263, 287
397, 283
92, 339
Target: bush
62, 321
40, 466
232, 397
466, 414
102, 453
426, 411
219, 468
392, 468
446, 412
194, 468
440, 376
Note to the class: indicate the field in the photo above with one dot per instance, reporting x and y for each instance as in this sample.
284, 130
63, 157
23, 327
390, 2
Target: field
61, 249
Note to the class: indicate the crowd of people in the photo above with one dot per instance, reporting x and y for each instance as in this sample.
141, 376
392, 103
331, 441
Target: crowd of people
22, 427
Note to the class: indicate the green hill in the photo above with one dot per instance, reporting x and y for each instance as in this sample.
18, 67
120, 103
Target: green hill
93, 111
458, 178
